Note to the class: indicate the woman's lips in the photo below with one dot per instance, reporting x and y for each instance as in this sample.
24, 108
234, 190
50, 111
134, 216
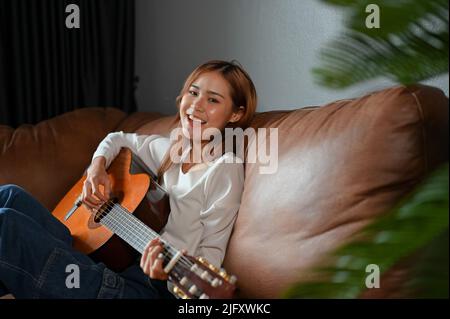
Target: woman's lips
191, 119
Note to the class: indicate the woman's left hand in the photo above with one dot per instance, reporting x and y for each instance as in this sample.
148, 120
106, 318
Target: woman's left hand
150, 263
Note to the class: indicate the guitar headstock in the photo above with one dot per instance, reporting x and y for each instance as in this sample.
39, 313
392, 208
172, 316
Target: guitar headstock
202, 280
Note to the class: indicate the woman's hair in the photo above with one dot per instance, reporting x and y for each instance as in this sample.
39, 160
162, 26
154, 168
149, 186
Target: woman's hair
242, 91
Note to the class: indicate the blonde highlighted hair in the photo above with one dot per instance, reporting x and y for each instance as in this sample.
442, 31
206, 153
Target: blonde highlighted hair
242, 91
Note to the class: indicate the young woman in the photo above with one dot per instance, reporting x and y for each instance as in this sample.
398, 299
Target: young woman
36, 249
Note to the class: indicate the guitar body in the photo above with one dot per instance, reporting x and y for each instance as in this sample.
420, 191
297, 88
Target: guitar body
96, 240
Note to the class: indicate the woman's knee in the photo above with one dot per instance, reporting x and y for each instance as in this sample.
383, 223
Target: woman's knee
8, 192
14, 196
10, 189
7, 214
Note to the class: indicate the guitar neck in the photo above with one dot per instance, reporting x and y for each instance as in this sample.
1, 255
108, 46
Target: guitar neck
128, 227
192, 278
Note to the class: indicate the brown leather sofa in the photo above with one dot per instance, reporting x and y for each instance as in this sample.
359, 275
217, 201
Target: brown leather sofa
339, 166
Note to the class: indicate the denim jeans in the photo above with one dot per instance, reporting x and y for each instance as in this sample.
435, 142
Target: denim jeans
36, 255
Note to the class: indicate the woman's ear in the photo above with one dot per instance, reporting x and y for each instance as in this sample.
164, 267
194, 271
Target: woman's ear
236, 116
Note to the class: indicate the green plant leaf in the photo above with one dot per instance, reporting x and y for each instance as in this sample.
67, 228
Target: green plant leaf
410, 46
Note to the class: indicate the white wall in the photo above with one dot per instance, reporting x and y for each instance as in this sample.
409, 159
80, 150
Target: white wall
276, 41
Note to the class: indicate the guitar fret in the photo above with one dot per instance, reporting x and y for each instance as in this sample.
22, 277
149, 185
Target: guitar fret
129, 228
119, 231
120, 226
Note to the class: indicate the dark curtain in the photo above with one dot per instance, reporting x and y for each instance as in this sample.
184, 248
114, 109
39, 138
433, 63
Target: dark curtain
47, 69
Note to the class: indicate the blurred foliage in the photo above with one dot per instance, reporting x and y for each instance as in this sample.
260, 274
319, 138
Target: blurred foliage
410, 46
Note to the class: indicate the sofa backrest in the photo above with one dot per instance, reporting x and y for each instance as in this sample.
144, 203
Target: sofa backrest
339, 166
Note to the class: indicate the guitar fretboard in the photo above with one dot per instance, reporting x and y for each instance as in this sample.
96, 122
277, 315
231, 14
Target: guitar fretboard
128, 227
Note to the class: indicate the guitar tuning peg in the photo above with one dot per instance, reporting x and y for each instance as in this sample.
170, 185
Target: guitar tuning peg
206, 276
193, 290
184, 281
194, 268
216, 282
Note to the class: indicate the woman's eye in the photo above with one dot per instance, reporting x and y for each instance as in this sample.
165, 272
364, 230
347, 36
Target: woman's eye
213, 100
193, 93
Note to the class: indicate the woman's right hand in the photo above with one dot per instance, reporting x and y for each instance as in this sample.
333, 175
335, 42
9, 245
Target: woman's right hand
92, 195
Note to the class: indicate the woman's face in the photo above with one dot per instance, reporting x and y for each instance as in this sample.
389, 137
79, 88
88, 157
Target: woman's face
208, 104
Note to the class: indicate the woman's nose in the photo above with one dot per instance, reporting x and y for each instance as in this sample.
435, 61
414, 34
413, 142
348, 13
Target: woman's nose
197, 106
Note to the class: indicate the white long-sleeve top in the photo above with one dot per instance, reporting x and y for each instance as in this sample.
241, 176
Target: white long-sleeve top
204, 201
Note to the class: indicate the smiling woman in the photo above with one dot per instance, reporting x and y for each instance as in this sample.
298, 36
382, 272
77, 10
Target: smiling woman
203, 208
202, 103
217, 94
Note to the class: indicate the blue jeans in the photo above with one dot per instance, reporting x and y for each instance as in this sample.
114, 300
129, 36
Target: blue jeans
36, 249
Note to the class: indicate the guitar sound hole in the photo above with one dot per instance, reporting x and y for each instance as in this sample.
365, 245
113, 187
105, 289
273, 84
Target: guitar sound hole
105, 209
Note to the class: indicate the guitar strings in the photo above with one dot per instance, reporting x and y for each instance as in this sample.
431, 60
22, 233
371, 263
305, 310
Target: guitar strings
143, 228
125, 219
119, 218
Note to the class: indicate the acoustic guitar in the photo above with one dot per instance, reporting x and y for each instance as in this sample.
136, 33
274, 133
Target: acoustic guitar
119, 230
